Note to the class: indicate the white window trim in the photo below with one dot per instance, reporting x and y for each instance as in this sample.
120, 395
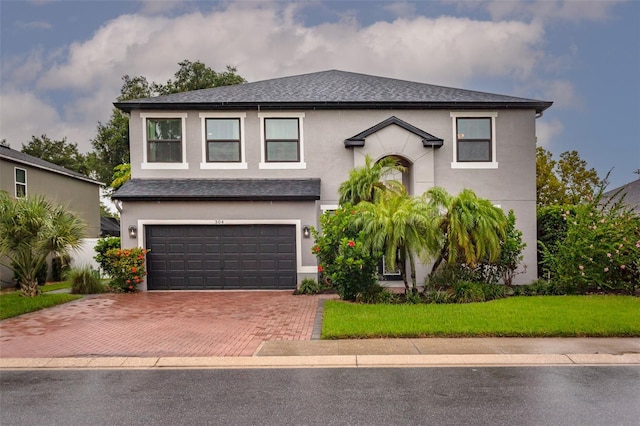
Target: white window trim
164, 166
228, 166
16, 183
285, 165
493, 164
329, 207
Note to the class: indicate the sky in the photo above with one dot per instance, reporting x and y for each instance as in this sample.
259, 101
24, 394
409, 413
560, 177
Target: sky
62, 62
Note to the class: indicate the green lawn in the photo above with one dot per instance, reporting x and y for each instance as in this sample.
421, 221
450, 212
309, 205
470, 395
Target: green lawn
13, 304
540, 316
55, 286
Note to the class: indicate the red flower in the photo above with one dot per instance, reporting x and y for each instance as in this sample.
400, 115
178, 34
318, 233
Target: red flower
351, 243
317, 249
141, 257
128, 281
137, 280
134, 270
319, 268
130, 287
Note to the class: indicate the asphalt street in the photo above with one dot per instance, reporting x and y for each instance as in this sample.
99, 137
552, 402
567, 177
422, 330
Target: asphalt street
576, 395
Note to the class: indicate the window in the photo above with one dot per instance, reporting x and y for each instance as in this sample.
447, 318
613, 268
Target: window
164, 138
21, 182
474, 139
223, 141
282, 141
475, 143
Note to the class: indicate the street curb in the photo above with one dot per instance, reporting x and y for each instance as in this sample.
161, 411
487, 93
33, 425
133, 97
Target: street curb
324, 361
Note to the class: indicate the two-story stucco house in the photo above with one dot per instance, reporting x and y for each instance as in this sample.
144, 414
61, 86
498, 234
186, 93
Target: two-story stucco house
226, 181
23, 175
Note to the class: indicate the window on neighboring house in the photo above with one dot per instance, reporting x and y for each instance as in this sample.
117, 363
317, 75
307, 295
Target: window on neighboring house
475, 143
164, 140
21, 182
282, 140
223, 140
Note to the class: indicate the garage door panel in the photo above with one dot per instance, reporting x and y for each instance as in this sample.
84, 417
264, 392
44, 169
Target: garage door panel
221, 257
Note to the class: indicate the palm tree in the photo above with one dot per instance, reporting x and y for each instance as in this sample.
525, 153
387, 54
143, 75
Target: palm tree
367, 182
401, 227
472, 228
31, 229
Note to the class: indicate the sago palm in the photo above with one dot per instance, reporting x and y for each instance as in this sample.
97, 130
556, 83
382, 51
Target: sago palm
401, 227
367, 182
31, 229
472, 228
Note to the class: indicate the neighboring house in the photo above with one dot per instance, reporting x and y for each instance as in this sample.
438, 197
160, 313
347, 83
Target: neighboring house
630, 192
109, 227
23, 175
227, 181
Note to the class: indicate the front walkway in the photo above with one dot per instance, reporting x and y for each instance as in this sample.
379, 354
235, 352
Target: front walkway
168, 324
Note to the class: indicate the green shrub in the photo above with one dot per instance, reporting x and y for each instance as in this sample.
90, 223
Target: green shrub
378, 294
467, 292
102, 247
600, 252
59, 267
343, 260
437, 296
309, 286
41, 276
85, 280
127, 268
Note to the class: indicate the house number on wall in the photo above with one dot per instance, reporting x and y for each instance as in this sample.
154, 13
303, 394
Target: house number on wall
218, 222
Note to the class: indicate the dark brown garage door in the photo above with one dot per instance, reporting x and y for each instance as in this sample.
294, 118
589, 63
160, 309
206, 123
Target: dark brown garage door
222, 257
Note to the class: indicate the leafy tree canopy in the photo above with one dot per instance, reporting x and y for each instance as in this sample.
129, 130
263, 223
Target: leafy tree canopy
58, 152
566, 181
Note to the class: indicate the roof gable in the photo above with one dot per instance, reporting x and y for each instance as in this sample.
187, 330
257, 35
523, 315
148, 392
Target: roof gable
428, 140
332, 90
29, 160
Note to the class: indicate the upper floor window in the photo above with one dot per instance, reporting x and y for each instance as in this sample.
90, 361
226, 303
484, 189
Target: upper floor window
21, 182
164, 136
475, 143
474, 139
223, 136
282, 141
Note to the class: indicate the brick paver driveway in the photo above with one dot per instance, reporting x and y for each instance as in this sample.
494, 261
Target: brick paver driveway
160, 324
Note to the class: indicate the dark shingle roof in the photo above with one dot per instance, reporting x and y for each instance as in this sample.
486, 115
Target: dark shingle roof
332, 90
220, 190
631, 193
29, 160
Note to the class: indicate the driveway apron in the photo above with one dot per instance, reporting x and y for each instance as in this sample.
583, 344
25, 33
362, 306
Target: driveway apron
183, 324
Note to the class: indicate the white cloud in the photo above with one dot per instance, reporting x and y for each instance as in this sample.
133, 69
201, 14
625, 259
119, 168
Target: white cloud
265, 40
401, 9
547, 130
544, 10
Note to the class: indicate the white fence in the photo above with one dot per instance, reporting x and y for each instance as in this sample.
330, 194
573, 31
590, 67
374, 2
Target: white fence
83, 256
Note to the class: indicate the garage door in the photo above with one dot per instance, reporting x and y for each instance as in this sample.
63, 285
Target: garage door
223, 257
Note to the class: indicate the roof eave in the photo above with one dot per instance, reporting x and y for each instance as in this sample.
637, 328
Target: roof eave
163, 106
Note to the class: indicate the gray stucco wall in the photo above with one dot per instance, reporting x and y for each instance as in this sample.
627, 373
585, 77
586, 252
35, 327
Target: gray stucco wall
82, 198
510, 185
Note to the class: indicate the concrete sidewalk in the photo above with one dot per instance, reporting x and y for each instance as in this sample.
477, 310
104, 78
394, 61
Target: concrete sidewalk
435, 352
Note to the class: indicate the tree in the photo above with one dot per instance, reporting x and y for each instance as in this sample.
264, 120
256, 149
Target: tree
195, 76
401, 227
367, 182
58, 152
31, 229
472, 228
111, 144
566, 181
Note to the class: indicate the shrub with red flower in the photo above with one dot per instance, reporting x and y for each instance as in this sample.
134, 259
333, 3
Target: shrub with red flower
127, 268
